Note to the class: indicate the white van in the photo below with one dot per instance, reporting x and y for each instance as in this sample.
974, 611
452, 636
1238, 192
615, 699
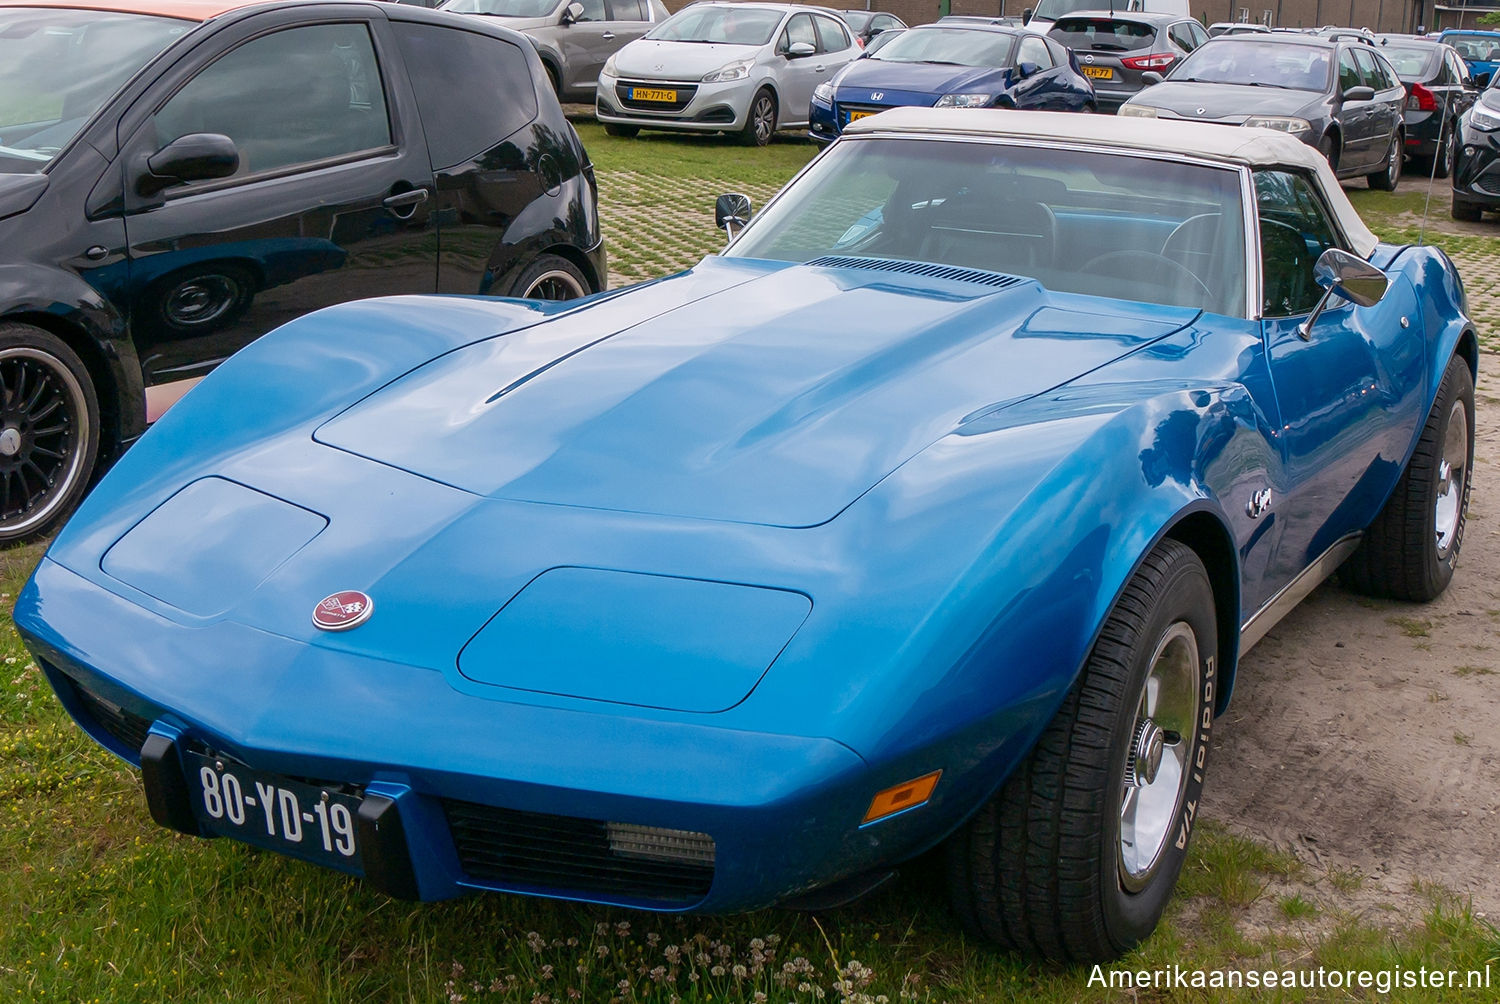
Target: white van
1047, 11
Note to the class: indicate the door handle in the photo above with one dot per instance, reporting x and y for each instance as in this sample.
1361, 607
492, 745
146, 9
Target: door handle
820, 68
607, 35
408, 201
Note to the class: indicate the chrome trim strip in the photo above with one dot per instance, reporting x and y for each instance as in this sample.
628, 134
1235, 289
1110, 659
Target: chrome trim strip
1254, 277
1294, 592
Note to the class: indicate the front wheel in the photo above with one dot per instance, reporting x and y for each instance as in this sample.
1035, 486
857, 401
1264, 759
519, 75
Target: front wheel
623, 131
1076, 856
1389, 176
1469, 212
760, 123
550, 277
1328, 146
49, 431
1442, 160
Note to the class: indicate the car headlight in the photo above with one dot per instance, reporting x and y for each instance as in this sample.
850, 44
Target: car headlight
1137, 111
1281, 123
823, 94
964, 100
1483, 119
737, 70
609, 66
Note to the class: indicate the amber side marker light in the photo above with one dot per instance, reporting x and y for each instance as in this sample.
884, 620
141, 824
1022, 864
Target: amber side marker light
907, 795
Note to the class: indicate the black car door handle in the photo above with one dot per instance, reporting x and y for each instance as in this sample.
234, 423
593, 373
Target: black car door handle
406, 200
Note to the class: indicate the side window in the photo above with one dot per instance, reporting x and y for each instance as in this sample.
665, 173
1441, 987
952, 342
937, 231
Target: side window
1179, 34
593, 10
831, 35
472, 90
293, 97
799, 29
1294, 231
1034, 50
1199, 33
628, 10
1369, 73
883, 22
1348, 70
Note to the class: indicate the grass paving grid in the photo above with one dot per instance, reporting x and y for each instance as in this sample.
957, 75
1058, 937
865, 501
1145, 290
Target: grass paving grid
98, 904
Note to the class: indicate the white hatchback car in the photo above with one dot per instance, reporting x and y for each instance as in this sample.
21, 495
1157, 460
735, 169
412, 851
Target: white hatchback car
741, 68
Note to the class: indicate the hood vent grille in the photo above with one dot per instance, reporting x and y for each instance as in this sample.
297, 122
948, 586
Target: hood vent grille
998, 280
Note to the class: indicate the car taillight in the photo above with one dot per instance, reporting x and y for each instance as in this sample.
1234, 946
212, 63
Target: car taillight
859, 40
1155, 61
1420, 99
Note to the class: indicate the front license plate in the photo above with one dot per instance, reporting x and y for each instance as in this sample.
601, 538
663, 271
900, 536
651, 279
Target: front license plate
653, 94
302, 820
1099, 72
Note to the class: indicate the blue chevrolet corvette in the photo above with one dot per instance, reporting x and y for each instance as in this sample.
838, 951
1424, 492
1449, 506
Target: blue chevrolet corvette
937, 510
952, 66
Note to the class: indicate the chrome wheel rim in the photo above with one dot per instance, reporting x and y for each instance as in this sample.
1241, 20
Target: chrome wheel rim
555, 284
43, 421
1156, 761
762, 114
1393, 162
1446, 153
201, 300
1453, 471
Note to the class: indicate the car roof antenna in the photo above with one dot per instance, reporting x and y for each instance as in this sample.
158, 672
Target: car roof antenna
1426, 206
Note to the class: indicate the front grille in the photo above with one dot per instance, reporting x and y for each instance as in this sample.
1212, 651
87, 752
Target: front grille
685, 94
573, 855
997, 279
129, 729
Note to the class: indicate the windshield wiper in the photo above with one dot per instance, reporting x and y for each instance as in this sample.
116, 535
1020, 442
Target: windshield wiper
941, 62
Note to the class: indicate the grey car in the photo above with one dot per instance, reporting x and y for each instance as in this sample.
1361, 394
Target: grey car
742, 68
1115, 49
1341, 97
573, 37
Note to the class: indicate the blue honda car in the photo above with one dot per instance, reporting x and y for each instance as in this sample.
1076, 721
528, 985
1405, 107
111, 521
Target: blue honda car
953, 66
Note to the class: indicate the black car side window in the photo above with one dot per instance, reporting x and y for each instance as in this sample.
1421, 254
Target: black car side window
1348, 70
293, 97
1294, 232
472, 90
1369, 70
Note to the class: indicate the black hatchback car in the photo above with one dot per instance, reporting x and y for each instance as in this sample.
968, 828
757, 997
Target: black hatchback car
1438, 90
1476, 168
177, 177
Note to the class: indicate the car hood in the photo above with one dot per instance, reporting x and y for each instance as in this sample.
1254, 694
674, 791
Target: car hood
865, 75
653, 59
19, 192
775, 395
1226, 102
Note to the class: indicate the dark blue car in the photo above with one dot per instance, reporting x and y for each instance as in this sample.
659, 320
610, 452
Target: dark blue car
953, 66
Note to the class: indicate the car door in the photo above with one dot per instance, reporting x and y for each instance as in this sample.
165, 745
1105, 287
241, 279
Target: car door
585, 46
1042, 89
329, 202
1348, 393
1462, 90
796, 76
628, 21
1356, 118
1387, 110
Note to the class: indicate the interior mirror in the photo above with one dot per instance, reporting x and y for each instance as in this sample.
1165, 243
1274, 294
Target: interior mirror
798, 50
731, 212
572, 13
1343, 274
1026, 16
198, 156
1360, 94
1151, 77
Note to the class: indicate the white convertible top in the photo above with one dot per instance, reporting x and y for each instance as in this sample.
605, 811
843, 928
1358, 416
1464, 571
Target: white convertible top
1233, 144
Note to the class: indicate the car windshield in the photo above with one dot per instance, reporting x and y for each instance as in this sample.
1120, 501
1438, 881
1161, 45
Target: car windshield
856, 19
724, 25
503, 8
1051, 10
1477, 48
1102, 223
57, 67
1103, 34
1244, 60
1410, 63
955, 46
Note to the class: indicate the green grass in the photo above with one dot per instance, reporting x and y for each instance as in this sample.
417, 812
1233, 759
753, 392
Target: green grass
679, 155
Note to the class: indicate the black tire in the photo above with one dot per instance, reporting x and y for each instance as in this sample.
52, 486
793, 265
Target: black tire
624, 131
1389, 176
760, 122
49, 431
550, 277
200, 299
1328, 146
1409, 552
1442, 158
1042, 868
554, 78
1469, 212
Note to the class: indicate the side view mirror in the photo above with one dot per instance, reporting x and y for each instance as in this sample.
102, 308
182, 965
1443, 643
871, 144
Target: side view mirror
1343, 274
1360, 94
732, 211
1483, 80
799, 50
572, 13
1151, 77
198, 156
1026, 16
1027, 69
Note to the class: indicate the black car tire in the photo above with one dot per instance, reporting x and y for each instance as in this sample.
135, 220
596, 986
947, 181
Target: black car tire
550, 277
760, 121
1042, 867
1463, 209
1389, 176
49, 431
203, 298
1328, 146
1442, 158
624, 131
553, 78
1409, 552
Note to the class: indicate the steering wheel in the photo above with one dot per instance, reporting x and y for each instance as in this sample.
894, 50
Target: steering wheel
1188, 233
1127, 265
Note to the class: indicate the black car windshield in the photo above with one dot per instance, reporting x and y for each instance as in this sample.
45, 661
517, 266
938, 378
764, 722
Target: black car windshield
1244, 60
1410, 63
724, 25
1108, 224
503, 8
57, 67
959, 46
